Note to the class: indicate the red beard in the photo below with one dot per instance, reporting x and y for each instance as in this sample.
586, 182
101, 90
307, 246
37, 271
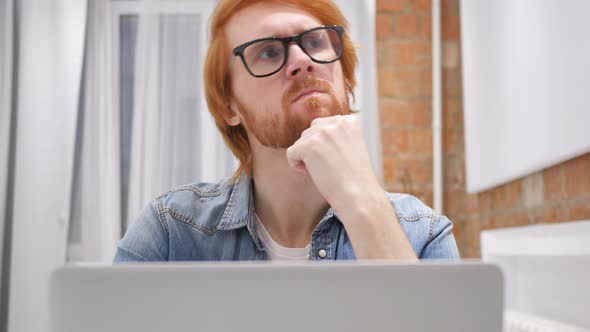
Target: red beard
283, 129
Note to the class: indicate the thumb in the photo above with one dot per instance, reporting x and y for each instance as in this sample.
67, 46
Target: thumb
295, 159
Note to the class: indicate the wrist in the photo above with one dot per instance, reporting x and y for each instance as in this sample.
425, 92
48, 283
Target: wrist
365, 206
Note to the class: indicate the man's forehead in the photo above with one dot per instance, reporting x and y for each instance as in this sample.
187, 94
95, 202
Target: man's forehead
268, 20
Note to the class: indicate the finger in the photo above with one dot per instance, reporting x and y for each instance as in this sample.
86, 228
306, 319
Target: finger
320, 121
302, 150
295, 154
306, 132
301, 168
315, 126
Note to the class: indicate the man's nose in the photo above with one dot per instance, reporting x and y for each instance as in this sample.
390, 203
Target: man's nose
299, 63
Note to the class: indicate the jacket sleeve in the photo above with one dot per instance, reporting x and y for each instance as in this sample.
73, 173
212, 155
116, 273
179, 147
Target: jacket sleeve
146, 239
441, 243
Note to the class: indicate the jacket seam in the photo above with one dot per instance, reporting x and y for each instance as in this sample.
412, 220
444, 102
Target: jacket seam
161, 218
433, 223
230, 204
188, 221
133, 253
197, 192
416, 217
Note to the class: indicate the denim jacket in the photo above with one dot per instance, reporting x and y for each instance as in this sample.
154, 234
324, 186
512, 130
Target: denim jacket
215, 221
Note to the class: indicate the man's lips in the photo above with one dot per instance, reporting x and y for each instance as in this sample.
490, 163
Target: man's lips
306, 92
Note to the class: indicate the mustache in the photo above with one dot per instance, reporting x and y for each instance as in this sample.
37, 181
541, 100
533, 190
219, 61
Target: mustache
310, 82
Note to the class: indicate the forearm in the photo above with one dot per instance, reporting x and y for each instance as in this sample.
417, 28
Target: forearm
374, 230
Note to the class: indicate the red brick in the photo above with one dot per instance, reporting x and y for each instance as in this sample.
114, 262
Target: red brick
472, 204
422, 5
491, 223
428, 198
395, 113
554, 184
484, 201
384, 27
414, 171
421, 141
471, 234
555, 214
387, 169
451, 28
537, 216
488, 223
580, 211
452, 141
399, 174
452, 113
426, 90
406, 83
458, 232
395, 141
391, 5
421, 171
450, 7
507, 196
453, 105
423, 195
470, 253
451, 55
577, 175
421, 113
406, 25
454, 171
394, 187
426, 30
384, 55
455, 202
451, 83
512, 220
412, 53
386, 82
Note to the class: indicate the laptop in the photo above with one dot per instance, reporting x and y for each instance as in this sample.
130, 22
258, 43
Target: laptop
271, 296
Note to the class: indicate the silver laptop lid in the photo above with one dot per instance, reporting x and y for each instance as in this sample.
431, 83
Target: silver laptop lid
353, 296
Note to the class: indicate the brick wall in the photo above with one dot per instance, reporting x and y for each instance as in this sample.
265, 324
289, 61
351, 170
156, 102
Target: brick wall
404, 55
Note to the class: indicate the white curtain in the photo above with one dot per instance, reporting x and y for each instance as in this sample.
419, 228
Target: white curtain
361, 19
6, 40
168, 145
51, 45
96, 213
144, 127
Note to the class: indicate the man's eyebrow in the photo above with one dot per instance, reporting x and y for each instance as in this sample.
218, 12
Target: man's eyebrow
281, 31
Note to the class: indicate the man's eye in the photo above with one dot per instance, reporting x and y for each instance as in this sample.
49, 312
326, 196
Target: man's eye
314, 42
268, 53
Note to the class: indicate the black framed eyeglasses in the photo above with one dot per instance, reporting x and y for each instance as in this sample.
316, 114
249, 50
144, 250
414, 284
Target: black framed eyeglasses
266, 56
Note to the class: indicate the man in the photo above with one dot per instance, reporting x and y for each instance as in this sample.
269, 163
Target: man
278, 76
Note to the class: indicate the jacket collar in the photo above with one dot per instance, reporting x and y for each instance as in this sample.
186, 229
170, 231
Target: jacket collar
240, 211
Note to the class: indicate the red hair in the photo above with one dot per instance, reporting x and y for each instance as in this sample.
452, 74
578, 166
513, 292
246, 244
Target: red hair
216, 71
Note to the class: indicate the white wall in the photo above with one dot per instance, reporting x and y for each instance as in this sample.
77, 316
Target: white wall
546, 269
50, 60
526, 79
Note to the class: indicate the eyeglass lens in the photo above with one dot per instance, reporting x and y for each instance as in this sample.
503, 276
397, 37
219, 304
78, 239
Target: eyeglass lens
267, 56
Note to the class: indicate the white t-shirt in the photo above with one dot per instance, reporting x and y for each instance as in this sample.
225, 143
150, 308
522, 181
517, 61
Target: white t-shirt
276, 251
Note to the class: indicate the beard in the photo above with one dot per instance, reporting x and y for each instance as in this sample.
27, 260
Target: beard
284, 128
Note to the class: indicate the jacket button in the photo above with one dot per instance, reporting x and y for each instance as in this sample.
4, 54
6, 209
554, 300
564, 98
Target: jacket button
322, 253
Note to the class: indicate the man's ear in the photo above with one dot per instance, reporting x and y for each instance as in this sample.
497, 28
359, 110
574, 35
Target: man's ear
233, 117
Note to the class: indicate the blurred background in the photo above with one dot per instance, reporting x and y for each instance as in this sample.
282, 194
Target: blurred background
478, 108
524, 71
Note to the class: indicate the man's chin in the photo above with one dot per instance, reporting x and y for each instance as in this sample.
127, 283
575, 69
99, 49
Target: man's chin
312, 108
